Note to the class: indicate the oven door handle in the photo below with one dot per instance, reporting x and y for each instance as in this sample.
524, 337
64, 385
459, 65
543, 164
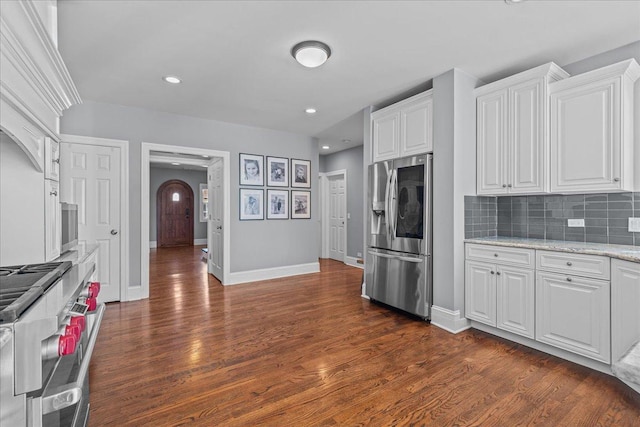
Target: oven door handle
70, 394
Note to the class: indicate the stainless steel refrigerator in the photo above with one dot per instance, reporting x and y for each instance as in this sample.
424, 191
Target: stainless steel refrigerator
398, 268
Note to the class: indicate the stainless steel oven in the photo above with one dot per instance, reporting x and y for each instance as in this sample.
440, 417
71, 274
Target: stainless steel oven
49, 323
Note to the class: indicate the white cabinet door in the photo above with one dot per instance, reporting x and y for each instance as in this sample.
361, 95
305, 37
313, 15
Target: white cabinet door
53, 220
592, 125
527, 137
492, 154
51, 159
515, 300
585, 138
386, 136
625, 306
416, 127
572, 313
480, 292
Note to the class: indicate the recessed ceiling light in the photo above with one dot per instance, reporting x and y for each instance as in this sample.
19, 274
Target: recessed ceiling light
325, 147
175, 164
513, 1
346, 141
311, 53
310, 110
205, 166
205, 156
172, 79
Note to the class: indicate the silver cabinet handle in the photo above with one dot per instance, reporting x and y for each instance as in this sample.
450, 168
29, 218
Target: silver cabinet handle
53, 193
504, 185
509, 185
57, 160
498, 273
569, 263
495, 255
616, 179
493, 272
114, 232
568, 279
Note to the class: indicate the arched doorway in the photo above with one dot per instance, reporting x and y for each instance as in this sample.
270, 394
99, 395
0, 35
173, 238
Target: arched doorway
174, 204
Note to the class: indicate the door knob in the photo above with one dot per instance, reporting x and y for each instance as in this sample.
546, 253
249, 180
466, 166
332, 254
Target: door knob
114, 232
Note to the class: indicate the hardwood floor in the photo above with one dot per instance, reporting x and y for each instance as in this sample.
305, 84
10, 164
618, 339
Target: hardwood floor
309, 351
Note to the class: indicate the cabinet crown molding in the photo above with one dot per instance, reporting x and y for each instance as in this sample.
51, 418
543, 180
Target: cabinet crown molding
400, 104
550, 70
628, 68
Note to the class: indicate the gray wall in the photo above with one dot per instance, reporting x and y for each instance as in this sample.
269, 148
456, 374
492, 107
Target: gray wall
351, 160
158, 176
137, 125
631, 50
454, 176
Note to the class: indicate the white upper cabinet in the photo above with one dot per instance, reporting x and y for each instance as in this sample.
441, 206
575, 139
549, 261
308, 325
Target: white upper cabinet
592, 141
404, 128
512, 128
35, 84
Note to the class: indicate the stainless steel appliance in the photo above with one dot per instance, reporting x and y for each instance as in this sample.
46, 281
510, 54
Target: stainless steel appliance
49, 322
398, 269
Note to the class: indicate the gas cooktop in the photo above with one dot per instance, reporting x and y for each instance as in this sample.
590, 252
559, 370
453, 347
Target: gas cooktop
22, 285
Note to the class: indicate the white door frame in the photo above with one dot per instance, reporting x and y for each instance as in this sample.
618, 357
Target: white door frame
325, 193
125, 294
147, 147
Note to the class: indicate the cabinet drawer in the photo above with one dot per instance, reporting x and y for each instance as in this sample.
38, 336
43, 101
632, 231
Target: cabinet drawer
594, 266
500, 254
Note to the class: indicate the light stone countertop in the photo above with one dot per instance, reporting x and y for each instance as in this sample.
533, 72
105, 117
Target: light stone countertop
623, 252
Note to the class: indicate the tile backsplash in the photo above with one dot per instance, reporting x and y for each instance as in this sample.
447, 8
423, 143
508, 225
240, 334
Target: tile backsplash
605, 216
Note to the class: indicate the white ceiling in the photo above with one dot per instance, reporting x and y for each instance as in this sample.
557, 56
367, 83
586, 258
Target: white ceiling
234, 56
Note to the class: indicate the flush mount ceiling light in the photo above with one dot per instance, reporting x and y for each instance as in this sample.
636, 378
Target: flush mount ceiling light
311, 53
310, 110
175, 164
325, 147
172, 79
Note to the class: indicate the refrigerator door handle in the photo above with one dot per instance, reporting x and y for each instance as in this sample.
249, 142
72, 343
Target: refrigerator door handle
398, 257
387, 204
394, 203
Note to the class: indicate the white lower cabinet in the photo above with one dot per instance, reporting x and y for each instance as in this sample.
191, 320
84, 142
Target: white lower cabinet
572, 313
500, 295
625, 307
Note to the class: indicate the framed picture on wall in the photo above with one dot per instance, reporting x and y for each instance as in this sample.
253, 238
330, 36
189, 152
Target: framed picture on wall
277, 204
251, 203
251, 169
300, 173
300, 204
278, 171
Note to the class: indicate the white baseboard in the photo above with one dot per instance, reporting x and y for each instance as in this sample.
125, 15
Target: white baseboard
153, 244
134, 293
271, 273
449, 320
353, 261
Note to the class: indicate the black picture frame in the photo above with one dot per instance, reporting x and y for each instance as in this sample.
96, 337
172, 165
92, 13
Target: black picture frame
300, 204
247, 169
277, 171
300, 173
277, 204
251, 205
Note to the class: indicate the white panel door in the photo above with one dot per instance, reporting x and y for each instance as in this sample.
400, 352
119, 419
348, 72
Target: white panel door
572, 313
585, 138
480, 292
386, 136
90, 178
337, 217
527, 138
216, 208
492, 155
515, 300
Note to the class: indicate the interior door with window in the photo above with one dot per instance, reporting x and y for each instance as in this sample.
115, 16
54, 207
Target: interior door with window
175, 214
